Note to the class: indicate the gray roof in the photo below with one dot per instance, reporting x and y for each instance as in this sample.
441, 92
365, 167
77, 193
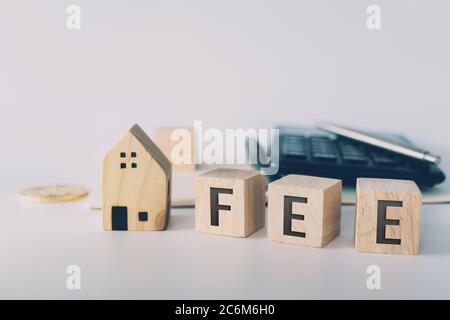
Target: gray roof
152, 148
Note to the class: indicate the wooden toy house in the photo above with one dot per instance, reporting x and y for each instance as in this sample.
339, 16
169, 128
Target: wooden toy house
136, 185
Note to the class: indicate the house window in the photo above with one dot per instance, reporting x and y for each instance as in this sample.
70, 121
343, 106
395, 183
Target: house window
143, 216
123, 165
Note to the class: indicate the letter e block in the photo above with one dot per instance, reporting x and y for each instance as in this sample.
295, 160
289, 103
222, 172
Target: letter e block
230, 202
387, 216
304, 210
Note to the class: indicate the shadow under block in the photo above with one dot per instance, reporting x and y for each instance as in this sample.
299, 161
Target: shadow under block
304, 210
230, 202
387, 216
136, 185
179, 143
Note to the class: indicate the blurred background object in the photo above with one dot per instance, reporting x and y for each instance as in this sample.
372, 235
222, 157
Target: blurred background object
183, 140
326, 154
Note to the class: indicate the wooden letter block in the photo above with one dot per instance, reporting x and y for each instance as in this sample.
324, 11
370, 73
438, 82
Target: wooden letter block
387, 216
178, 145
230, 202
304, 210
136, 185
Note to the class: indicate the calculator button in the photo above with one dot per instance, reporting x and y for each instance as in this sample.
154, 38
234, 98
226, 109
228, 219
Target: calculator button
383, 159
322, 149
294, 146
325, 156
353, 154
355, 159
295, 153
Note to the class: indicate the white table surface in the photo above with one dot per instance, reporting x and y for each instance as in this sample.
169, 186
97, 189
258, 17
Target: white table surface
40, 242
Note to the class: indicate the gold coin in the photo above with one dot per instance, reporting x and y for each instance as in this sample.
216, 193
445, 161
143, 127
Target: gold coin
54, 193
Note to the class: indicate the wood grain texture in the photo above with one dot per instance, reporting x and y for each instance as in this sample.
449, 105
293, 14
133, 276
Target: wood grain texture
143, 185
166, 142
247, 202
368, 194
322, 210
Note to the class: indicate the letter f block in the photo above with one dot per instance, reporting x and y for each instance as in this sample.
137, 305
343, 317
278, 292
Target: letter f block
304, 210
387, 216
230, 202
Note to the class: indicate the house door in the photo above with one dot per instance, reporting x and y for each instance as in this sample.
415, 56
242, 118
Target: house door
120, 218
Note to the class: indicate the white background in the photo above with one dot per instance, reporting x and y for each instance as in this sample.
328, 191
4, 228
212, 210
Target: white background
67, 96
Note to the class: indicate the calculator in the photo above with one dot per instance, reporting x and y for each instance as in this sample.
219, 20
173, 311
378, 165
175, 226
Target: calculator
319, 153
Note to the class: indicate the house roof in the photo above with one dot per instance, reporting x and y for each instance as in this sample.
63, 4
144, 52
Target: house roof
151, 148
